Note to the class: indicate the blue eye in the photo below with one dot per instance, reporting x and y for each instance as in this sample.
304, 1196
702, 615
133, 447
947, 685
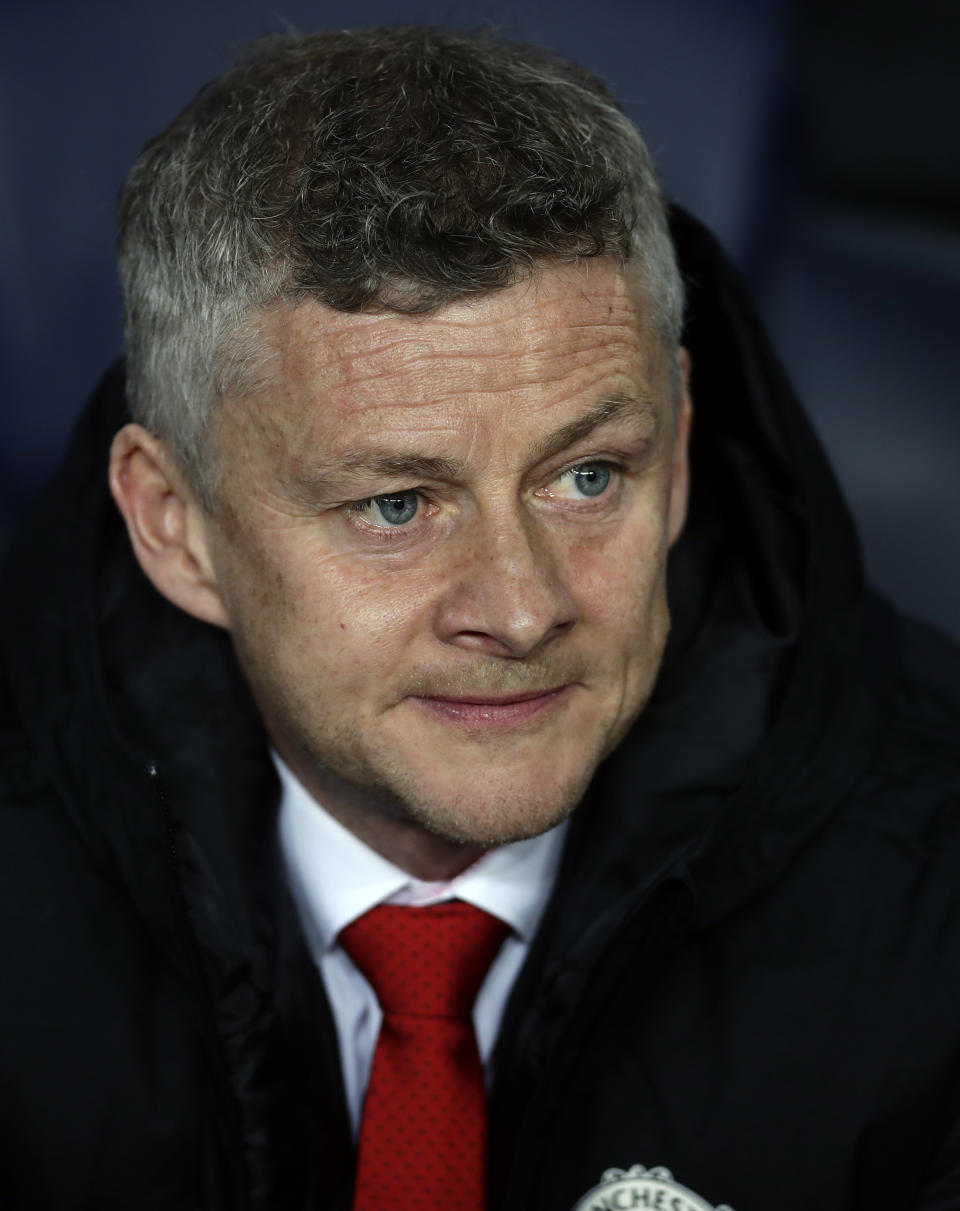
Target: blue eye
396, 510
592, 479
388, 512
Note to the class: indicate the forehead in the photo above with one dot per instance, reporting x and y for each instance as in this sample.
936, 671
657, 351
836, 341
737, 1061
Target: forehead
564, 333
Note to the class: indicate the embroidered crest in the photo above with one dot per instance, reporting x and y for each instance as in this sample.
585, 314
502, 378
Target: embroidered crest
637, 1187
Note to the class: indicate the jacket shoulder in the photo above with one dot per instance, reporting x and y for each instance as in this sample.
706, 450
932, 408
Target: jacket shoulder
931, 673
907, 802
921, 748
22, 779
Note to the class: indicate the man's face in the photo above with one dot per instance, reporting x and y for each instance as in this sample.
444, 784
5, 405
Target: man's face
441, 543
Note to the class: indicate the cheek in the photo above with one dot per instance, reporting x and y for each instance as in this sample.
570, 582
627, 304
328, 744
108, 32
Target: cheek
339, 618
618, 577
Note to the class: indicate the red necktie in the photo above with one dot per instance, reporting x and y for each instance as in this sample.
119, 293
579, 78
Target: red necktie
424, 1127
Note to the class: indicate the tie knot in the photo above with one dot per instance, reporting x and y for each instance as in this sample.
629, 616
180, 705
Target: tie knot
425, 962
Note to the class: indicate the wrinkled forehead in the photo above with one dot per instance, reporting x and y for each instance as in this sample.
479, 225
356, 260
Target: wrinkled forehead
563, 332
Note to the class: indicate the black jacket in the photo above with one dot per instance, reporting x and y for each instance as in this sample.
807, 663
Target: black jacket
749, 972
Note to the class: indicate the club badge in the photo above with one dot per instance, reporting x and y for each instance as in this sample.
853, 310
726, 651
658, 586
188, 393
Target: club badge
637, 1187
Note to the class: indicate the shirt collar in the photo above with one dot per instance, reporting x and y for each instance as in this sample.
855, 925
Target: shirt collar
335, 877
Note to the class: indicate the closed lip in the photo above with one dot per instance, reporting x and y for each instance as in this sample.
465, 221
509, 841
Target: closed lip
493, 712
491, 699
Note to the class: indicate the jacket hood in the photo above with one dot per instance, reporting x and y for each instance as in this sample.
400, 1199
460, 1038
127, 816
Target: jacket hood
766, 709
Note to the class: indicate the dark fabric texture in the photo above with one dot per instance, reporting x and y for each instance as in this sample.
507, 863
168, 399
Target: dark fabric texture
749, 971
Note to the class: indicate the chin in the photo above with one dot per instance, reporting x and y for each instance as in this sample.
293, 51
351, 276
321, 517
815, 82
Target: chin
490, 819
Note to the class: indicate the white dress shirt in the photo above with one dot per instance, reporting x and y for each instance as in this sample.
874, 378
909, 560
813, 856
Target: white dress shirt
335, 877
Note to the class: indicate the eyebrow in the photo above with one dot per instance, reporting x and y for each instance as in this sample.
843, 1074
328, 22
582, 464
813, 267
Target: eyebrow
398, 465
604, 413
317, 481
420, 466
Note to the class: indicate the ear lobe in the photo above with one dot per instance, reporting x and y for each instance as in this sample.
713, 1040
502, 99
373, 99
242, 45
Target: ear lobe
680, 480
165, 523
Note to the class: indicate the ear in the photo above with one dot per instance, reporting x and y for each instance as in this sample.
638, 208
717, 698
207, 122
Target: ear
166, 523
680, 479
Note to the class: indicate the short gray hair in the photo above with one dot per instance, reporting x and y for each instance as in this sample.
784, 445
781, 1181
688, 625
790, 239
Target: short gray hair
385, 168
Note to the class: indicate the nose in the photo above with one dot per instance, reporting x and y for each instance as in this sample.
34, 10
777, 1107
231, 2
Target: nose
507, 595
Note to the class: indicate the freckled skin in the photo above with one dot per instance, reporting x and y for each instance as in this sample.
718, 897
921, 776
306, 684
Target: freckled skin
508, 579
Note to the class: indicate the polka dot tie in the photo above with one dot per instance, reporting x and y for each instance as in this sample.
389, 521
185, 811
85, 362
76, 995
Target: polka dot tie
423, 1131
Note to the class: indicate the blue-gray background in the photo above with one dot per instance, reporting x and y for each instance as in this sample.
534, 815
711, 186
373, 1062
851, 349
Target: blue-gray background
819, 139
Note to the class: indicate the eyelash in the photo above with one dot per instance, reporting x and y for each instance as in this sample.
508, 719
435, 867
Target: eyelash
386, 533
392, 533
591, 464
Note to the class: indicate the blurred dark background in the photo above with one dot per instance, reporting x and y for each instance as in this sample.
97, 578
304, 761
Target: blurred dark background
820, 139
